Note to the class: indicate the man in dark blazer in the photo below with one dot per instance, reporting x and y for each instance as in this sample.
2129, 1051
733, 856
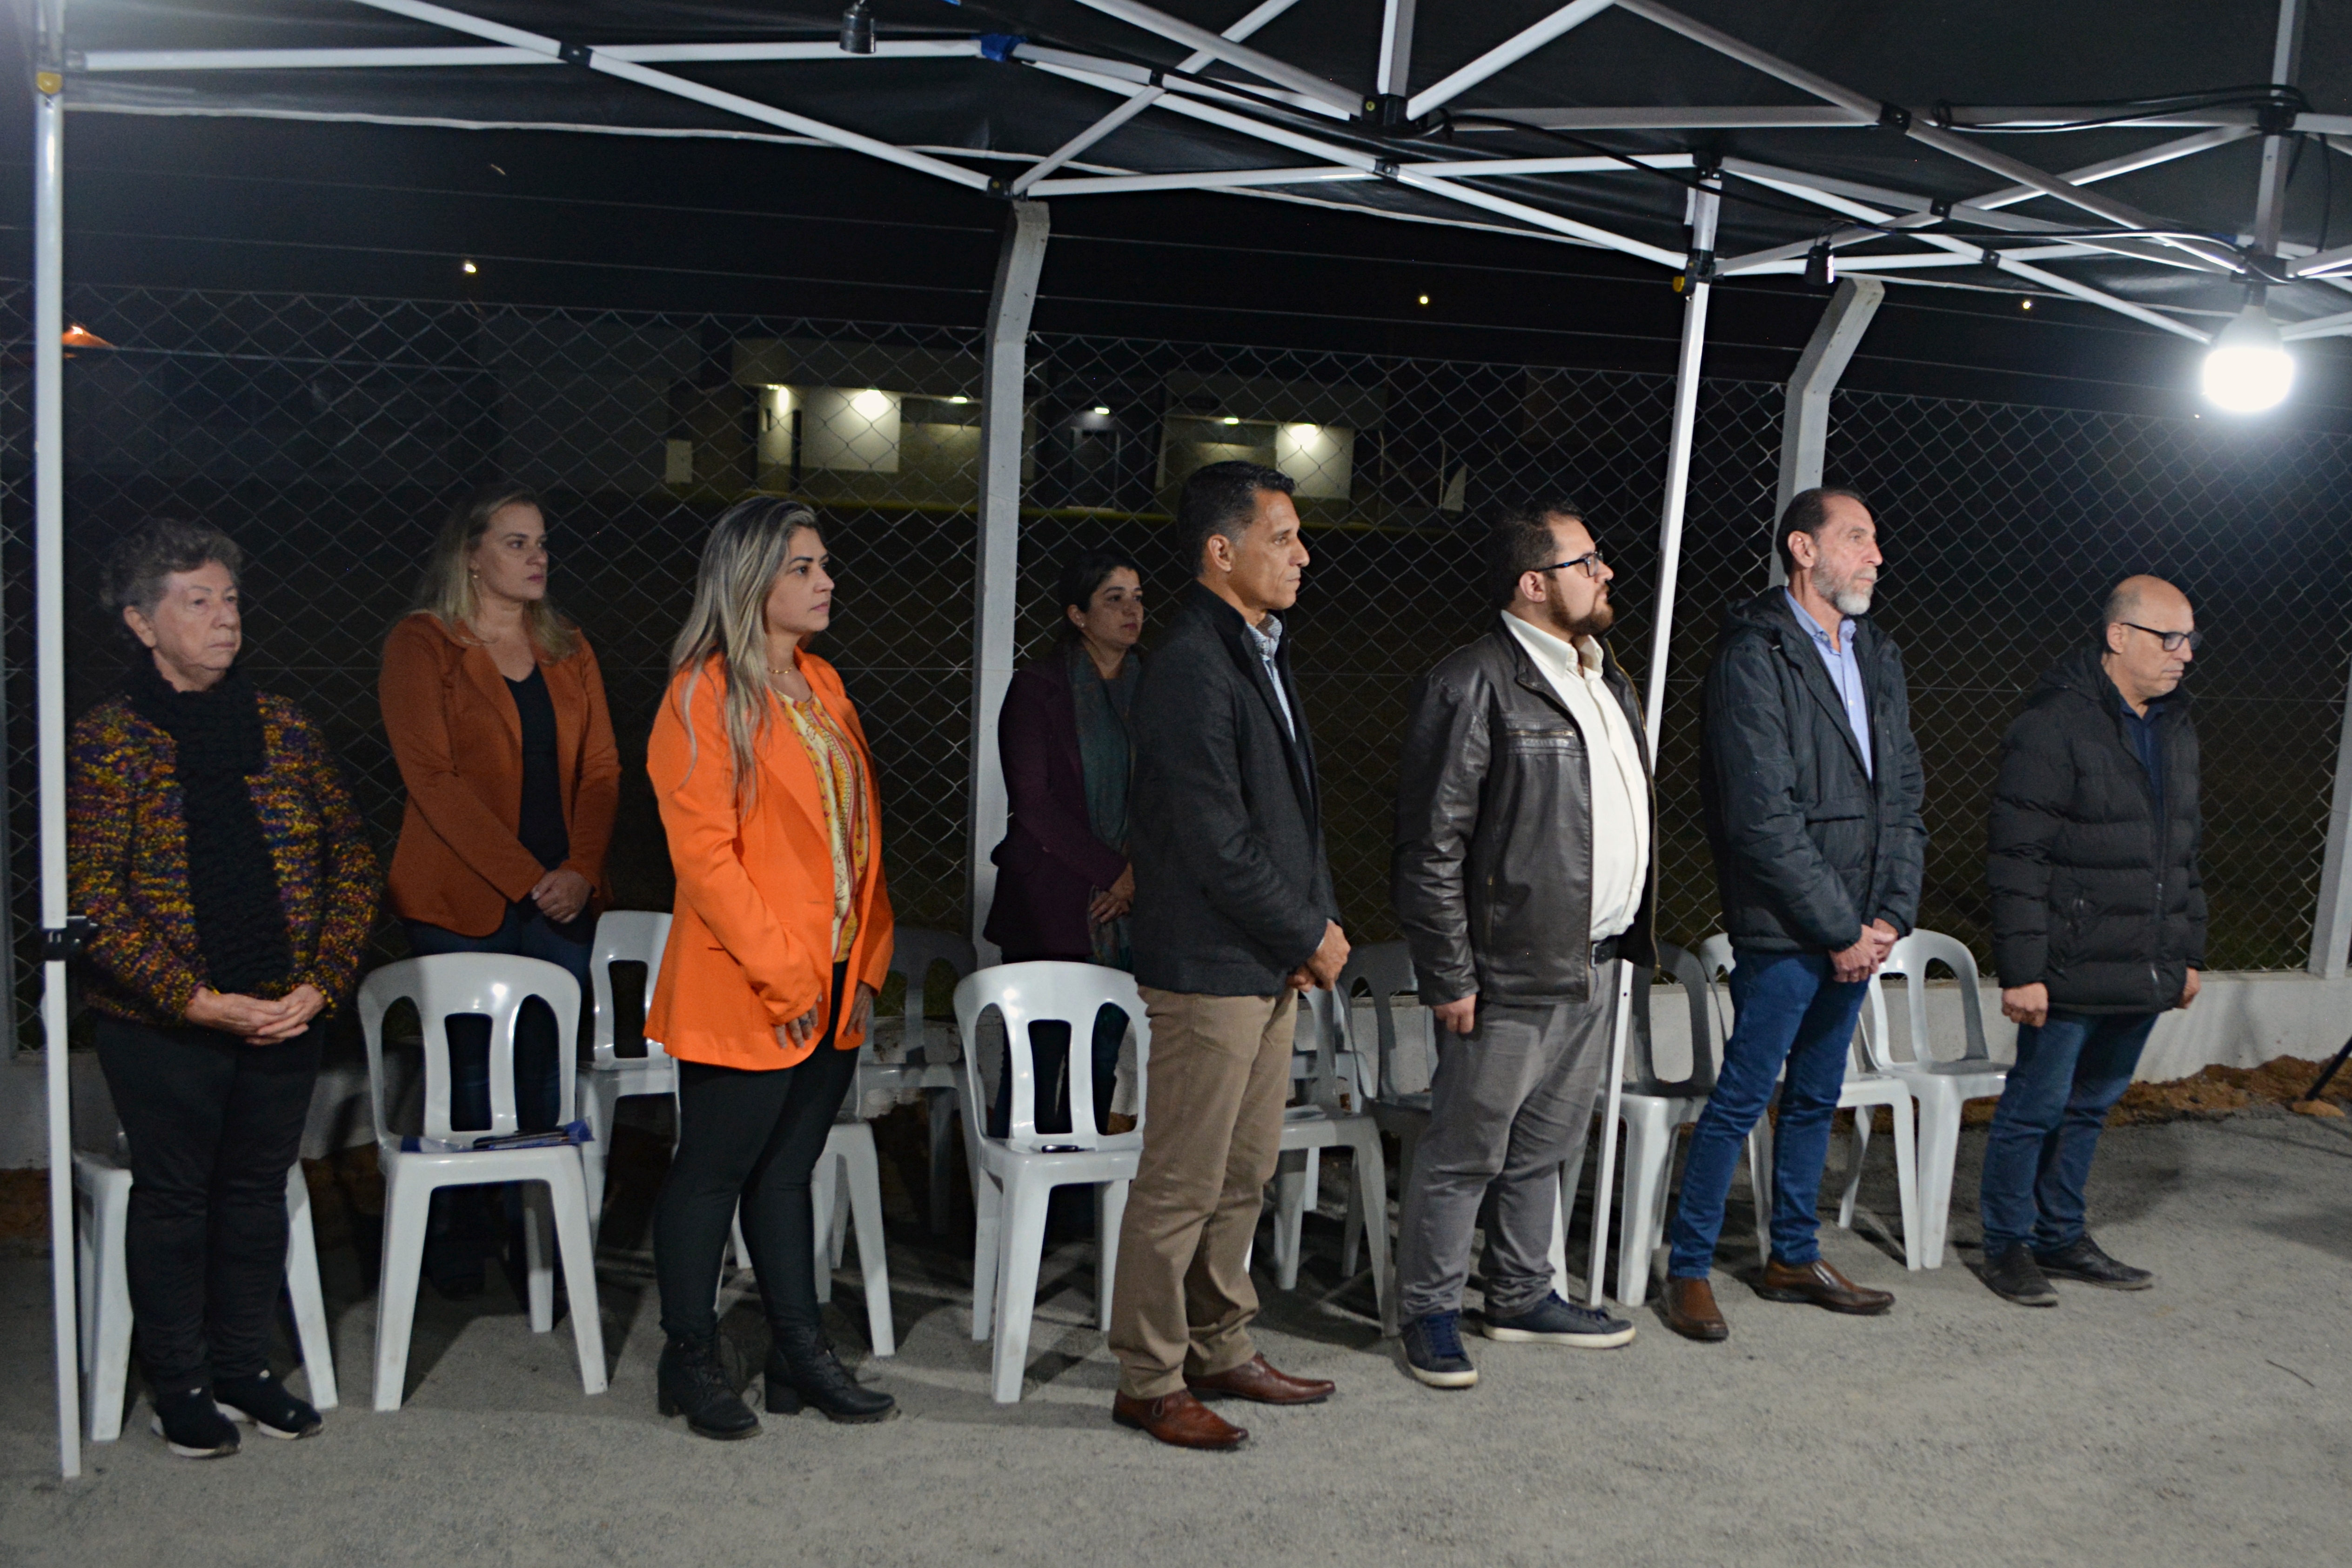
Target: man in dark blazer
2098, 924
1810, 786
1234, 916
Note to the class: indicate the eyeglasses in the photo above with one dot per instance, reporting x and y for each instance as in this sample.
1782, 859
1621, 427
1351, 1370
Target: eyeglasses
1590, 562
2172, 641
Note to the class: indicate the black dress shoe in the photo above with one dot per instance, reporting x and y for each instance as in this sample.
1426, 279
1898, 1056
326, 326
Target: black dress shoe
2015, 1277
693, 1382
802, 1370
2083, 1262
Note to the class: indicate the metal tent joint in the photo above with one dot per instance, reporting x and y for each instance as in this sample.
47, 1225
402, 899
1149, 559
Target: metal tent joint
61, 944
575, 54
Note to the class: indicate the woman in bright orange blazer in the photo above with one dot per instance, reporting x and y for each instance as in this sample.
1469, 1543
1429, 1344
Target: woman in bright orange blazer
780, 939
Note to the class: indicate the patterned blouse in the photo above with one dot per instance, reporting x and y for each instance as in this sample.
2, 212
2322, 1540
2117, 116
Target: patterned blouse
127, 860
840, 785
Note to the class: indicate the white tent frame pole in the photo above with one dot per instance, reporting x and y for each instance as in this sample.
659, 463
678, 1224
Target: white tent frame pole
1509, 52
2270, 194
1307, 84
1134, 106
1393, 77
49, 611
1004, 428
1706, 204
1468, 195
1225, 179
102, 60
1945, 141
2331, 915
679, 86
1805, 415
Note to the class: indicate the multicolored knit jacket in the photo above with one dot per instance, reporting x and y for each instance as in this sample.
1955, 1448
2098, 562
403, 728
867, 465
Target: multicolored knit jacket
127, 860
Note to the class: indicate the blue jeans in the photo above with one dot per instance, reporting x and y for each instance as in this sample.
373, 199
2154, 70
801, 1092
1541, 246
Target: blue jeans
1785, 1009
524, 933
2069, 1074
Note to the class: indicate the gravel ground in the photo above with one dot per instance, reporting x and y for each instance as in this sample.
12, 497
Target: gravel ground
2202, 1422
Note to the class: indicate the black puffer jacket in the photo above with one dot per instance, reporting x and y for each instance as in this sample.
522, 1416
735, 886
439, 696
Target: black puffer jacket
2092, 895
1808, 847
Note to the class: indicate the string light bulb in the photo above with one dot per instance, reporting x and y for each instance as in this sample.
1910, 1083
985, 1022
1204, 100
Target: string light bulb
2249, 369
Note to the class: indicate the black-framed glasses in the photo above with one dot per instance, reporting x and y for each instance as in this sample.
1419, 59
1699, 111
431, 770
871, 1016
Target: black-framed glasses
2172, 641
1591, 560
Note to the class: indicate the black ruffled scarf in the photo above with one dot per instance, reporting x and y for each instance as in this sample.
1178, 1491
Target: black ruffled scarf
232, 881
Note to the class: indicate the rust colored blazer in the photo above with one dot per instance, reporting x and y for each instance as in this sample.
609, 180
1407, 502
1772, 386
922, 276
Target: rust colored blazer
459, 740
750, 947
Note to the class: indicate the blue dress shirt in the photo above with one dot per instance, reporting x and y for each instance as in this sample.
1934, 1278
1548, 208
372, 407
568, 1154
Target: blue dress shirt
1846, 674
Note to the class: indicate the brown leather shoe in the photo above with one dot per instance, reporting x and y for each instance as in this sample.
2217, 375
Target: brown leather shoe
1179, 1420
1256, 1381
1691, 1311
1822, 1285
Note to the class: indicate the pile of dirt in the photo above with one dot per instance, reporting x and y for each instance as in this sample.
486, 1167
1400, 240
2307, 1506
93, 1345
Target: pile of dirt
2218, 1090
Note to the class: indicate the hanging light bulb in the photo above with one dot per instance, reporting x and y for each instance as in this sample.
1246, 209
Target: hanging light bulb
2249, 369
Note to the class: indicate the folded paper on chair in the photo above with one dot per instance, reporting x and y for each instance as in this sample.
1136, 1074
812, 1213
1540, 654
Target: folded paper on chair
570, 1132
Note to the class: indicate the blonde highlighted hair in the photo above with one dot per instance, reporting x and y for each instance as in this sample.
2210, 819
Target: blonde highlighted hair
748, 548
447, 593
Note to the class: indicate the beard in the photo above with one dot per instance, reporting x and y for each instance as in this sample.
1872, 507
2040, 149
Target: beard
1849, 594
1570, 628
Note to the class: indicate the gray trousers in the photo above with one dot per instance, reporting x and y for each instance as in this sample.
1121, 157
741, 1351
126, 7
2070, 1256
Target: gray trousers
1510, 1104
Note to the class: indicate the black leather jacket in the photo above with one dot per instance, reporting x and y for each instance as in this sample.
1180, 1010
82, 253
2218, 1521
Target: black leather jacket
1492, 875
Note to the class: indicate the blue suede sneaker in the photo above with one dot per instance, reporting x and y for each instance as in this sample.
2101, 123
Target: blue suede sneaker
1432, 1351
1552, 1321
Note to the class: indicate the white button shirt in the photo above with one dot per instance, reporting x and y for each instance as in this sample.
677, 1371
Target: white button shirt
1621, 793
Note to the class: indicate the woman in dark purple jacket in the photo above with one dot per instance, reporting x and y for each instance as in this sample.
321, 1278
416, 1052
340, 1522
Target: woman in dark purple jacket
1063, 883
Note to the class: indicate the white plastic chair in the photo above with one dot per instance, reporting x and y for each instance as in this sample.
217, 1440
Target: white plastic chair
1015, 1175
494, 985
927, 1051
1864, 1087
102, 1196
623, 936
1940, 1085
1328, 1120
1653, 1109
850, 1171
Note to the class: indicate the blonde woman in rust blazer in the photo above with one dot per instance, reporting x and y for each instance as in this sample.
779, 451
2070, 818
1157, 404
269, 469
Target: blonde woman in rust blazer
781, 940
496, 712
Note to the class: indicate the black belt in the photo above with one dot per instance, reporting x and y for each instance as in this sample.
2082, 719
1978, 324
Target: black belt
1604, 953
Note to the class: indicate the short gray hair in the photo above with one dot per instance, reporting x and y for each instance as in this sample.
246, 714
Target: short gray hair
145, 558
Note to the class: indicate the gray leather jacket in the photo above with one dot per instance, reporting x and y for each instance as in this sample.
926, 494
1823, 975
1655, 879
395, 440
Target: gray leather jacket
1492, 875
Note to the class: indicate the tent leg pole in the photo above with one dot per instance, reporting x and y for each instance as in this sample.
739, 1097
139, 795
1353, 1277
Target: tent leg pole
996, 569
1705, 202
48, 579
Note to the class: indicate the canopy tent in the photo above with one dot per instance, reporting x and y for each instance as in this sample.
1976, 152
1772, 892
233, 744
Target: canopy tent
2145, 170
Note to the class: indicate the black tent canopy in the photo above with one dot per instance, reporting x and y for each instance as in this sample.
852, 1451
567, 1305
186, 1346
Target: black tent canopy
2171, 163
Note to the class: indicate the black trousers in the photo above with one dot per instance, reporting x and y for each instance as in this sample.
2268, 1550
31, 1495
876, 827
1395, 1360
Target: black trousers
213, 1123
753, 1138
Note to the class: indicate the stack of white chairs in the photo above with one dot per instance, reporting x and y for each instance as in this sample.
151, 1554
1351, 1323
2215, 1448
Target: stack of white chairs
1865, 1088
1014, 1176
496, 986
102, 1204
623, 936
926, 1053
1937, 1084
1331, 1118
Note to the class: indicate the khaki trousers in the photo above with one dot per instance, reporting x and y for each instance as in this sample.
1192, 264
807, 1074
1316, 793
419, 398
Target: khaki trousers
1216, 1081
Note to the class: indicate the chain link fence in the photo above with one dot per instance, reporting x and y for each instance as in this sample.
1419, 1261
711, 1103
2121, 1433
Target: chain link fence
329, 435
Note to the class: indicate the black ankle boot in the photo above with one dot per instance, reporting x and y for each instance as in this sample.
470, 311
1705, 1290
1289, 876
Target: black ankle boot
693, 1382
802, 1368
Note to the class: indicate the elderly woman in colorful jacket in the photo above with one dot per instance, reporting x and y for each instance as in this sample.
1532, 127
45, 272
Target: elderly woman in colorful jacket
230, 889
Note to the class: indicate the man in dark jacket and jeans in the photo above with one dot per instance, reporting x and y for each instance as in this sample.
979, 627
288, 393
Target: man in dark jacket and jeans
2098, 922
1523, 873
1235, 915
1810, 784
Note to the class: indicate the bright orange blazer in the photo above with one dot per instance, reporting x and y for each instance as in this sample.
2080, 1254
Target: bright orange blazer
459, 740
750, 945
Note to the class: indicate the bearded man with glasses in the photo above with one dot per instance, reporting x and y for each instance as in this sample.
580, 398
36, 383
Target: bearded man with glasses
2098, 916
1522, 873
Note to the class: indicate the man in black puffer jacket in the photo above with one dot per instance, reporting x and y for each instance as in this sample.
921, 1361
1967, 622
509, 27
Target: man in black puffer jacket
1811, 787
2099, 923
